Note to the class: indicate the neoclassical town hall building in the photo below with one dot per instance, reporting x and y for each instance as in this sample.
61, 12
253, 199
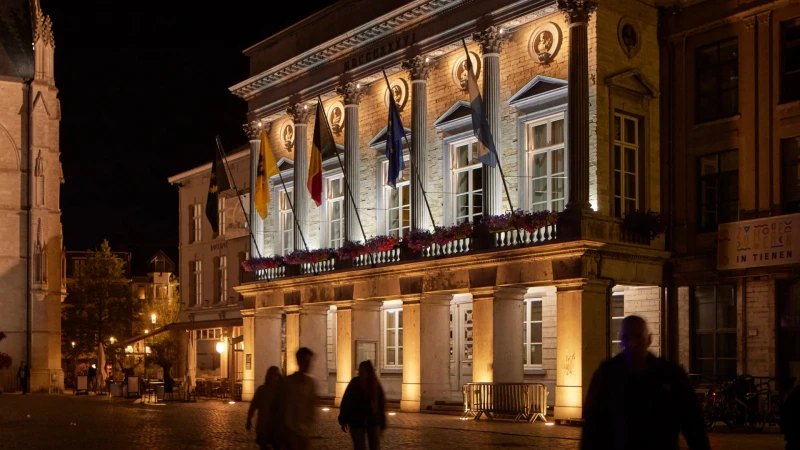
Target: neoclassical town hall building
578, 132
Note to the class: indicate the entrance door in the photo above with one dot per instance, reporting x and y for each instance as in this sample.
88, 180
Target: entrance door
460, 346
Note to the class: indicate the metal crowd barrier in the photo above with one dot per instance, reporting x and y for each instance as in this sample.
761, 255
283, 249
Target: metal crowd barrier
522, 400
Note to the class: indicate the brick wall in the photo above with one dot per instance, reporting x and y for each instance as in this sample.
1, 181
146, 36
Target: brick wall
646, 303
759, 319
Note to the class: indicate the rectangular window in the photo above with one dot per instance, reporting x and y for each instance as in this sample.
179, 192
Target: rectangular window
398, 201
222, 279
790, 192
532, 332
393, 338
626, 164
195, 224
713, 323
285, 222
547, 175
196, 286
468, 182
717, 80
221, 216
719, 189
615, 322
331, 339
334, 197
790, 61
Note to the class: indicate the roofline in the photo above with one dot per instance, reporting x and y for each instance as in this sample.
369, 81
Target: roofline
206, 167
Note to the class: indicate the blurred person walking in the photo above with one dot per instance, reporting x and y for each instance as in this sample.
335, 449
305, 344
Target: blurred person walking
270, 415
790, 417
299, 401
363, 408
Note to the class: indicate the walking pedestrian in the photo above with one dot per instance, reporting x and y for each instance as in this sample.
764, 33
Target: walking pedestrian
299, 403
265, 401
24, 375
639, 401
363, 408
790, 417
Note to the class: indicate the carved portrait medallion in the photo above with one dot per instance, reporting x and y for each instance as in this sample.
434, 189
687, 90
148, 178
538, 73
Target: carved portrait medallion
287, 135
545, 41
399, 88
629, 36
335, 113
460, 70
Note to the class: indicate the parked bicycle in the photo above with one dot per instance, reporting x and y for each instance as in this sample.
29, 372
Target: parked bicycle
744, 402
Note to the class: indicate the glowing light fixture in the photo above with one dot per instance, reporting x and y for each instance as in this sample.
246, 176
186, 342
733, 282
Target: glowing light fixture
146, 331
549, 424
231, 403
305, 106
259, 124
73, 344
392, 413
147, 349
502, 31
427, 60
326, 409
358, 86
129, 349
111, 339
220, 347
153, 318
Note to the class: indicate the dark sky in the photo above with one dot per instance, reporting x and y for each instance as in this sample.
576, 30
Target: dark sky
144, 90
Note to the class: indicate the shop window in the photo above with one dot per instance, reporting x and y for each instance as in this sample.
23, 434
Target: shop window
713, 332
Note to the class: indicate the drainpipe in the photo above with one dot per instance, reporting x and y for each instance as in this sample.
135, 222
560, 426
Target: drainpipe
26, 145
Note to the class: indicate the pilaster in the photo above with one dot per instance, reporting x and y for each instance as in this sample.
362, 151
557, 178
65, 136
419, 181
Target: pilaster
300, 114
266, 348
358, 321
497, 326
351, 95
253, 132
764, 107
292, 339
491, 41
313, 335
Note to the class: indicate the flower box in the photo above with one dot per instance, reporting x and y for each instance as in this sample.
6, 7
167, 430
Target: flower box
256, 264
639, 226
309, 256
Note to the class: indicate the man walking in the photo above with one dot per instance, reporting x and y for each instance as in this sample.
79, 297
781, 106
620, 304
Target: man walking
24, 375
639, 401
299, 403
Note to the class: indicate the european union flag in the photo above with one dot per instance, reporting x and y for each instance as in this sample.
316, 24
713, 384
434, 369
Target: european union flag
394, 143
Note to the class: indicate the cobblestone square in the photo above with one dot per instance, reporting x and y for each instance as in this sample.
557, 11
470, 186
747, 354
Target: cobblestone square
46, 422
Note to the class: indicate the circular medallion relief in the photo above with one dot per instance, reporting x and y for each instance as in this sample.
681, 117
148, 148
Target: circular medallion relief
460, 70
399, 88
545, 42
629, 36
287, 135
335, 113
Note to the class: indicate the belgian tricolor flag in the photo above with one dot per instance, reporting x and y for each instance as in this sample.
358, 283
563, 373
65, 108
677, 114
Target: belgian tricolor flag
218, 183
323, 146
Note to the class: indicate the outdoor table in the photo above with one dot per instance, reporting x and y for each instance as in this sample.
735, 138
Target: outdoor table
154, 388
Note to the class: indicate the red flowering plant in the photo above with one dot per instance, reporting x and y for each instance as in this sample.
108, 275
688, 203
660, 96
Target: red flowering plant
418, 240
309, 256
350, 250
5, 359
446, 235
256, 264
382, 244
532, 221
499, 223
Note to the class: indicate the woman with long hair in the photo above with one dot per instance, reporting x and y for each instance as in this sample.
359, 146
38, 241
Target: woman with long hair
363, 408
270, 413
790, 417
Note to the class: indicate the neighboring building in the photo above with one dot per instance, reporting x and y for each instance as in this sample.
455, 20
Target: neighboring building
74, 260
31, 271
573, 106
160, 283
211, 267
731, 140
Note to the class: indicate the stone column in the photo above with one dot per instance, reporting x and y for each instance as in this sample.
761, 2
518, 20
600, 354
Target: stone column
314, 335
292, 339
577, 13
426, 351
491, 41
300, 114
266, 348
248, 374
581, 342
253, 131
419, 67
351, 96
497, 336
355, 322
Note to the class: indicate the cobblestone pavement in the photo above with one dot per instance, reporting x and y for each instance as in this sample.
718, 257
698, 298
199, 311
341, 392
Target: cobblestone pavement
46, 422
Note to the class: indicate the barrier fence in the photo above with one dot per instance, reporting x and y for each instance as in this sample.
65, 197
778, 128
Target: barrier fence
522, 400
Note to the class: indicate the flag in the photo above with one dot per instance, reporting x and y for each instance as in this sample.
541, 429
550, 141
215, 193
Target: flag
323, 145
267, 168
487, 154
218, 182
394, 144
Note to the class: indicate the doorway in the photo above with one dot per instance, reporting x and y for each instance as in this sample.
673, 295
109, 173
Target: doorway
460, 344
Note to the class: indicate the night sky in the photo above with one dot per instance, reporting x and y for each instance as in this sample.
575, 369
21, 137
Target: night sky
144, 90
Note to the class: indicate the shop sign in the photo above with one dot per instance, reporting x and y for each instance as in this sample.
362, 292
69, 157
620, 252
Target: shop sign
758, 243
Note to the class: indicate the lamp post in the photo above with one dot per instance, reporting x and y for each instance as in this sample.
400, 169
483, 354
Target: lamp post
74, 367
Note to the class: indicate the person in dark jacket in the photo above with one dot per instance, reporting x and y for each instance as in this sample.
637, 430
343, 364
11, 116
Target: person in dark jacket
266, 402
790, 417
24, 375
363, 408
638, 401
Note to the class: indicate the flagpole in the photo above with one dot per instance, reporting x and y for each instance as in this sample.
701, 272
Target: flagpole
221, 152
496, 154
411, 160
346, 183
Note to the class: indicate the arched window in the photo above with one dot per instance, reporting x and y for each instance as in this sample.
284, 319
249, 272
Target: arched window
40, 186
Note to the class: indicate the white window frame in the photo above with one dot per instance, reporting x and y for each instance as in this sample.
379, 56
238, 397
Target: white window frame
391, 319
387, 192
328, 219
621, 169
454, 171
612, 319
331, 339
531, 153
528, 341
197, 280
196, 224
221, 216
285, 238
222, 277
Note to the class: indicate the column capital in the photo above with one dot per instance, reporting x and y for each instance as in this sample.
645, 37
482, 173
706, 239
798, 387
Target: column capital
491, 39
253, 129
351, 93
300, 113
577, 11
419, 67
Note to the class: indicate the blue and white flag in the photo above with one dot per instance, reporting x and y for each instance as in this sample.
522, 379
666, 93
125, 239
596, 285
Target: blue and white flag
487, 153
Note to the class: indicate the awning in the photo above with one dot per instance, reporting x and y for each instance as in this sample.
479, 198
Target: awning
186, 326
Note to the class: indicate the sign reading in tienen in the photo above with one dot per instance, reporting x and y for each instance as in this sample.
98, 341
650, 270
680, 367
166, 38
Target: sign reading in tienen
758, 243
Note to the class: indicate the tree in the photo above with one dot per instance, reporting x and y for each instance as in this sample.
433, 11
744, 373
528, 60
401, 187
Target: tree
5, 358
98, 305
